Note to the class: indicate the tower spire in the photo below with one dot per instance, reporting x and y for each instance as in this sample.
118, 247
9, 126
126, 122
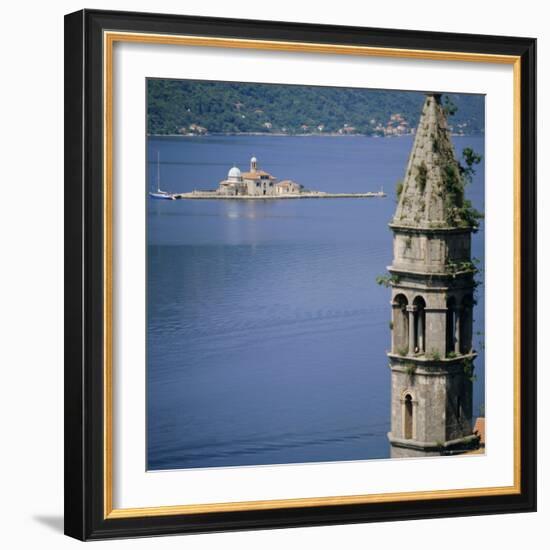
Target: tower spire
432, 194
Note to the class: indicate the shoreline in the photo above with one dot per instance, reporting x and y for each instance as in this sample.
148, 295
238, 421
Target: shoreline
205, 195
278, 134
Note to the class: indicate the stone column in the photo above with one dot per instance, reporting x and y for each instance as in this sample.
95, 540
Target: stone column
421, 330
396, 329
457, 329
411, 310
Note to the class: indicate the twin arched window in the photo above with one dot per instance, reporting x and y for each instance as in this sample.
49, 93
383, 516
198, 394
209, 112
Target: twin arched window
409, 325
459, 325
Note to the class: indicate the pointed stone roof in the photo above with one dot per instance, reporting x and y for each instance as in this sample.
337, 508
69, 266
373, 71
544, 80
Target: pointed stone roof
432, 193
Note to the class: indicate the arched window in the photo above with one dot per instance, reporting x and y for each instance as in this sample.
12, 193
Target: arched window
450, 325
400, 324
466, 322
419, 325
408, 420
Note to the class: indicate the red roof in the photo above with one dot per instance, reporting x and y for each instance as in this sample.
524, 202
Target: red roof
479, 429
256, 175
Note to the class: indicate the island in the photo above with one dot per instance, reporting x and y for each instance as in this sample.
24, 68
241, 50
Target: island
259, 184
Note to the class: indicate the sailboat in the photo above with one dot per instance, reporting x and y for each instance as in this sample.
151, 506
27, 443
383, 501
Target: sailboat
159, 193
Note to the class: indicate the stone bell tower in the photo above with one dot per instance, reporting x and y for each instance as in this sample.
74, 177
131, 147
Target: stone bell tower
432, 281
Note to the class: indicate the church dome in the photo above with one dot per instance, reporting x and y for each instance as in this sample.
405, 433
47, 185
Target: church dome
234, 174
253, 159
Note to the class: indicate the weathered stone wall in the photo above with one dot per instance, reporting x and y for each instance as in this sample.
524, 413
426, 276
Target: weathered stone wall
442, 403
435, 333
429, 405
429, 252
459, 407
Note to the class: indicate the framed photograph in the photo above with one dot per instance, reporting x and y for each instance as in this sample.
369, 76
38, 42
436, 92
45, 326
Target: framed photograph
300, 274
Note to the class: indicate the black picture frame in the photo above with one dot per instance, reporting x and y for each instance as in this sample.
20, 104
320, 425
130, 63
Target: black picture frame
85, 517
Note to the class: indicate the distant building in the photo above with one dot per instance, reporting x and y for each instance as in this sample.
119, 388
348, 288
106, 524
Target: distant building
288, 187
197, 129
347, 130
256, 182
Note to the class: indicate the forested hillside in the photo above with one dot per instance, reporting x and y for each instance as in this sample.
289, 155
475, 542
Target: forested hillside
200, 107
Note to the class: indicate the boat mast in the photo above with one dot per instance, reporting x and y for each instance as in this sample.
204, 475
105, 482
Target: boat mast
158, 171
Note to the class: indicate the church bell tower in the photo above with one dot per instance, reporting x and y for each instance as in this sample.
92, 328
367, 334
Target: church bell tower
432, 283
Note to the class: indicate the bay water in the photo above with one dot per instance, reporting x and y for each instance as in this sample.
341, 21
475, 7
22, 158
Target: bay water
266, 331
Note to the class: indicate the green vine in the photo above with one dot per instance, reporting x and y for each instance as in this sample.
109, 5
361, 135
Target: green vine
460, 211
387, 280
463, 267
410, 369
422, 176
449, 106
469, 370
468, 267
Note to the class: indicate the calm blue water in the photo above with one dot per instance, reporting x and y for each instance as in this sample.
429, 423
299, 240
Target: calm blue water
266, 330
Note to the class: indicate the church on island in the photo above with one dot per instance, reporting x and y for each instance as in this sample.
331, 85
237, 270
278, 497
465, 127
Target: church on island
256, 183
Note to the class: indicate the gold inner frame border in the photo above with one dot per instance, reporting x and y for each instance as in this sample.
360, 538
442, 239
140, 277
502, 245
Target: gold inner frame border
109, 39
